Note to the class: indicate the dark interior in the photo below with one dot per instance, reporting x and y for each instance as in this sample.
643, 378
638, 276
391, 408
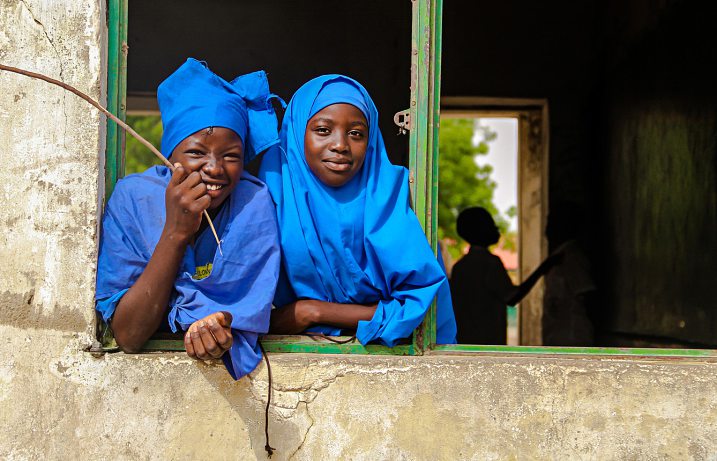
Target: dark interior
633, 141
633, 115
292, 41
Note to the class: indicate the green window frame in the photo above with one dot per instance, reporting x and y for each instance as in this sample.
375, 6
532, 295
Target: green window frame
423, 124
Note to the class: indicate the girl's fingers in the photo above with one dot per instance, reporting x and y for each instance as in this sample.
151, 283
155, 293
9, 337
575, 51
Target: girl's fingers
222, 336
208, 342
178, 174
189, 346
197, 344
198, 190
193, 179
207, 339
225, 319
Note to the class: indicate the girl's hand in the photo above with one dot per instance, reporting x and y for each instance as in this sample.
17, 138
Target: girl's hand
210, 337
185, 200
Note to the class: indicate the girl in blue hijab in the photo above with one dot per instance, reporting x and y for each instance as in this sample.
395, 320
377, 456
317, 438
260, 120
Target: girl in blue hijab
354, 254
159, 264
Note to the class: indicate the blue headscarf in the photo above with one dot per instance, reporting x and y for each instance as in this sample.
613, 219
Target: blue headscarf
242, 281
359, 243
194, 98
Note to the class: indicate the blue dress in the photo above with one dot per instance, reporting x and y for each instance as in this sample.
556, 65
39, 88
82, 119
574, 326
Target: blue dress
359, 243
241, 281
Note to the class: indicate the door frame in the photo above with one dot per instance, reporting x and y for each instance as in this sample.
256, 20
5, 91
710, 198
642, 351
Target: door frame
533, 149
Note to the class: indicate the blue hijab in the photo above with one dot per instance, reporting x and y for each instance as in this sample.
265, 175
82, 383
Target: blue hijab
242, 281
359, 243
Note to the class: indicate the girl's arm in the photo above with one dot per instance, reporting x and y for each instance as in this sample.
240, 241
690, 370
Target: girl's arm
296, 317
142, 309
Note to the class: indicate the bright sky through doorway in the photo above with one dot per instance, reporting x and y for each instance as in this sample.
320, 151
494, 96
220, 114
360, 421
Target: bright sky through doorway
503, 157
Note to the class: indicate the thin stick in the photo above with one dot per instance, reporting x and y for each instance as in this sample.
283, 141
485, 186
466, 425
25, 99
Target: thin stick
119, 122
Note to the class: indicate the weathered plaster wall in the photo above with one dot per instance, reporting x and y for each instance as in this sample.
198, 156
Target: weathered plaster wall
68, 404
58, 402
49, 145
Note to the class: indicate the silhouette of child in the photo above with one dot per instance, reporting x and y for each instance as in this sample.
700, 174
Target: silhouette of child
480, 286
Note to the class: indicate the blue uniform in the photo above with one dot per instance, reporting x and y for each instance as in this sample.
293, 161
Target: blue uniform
240, 281
359, 243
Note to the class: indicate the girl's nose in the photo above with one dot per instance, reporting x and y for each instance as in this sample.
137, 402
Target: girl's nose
213, 166
340, 144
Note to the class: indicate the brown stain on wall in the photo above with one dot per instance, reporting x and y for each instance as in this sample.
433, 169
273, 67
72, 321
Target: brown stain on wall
22, 311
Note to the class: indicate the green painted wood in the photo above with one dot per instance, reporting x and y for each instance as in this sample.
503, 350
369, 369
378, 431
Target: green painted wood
429, 326
420, 43
423, 160
111, 154
116, 104
305, 346
116, 92
331, 348
549, 350
122, 52
299, 344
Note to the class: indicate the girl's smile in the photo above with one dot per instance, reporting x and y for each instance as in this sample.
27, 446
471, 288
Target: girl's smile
218, 155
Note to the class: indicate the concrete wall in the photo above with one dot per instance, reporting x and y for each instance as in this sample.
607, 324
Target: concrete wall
58, 402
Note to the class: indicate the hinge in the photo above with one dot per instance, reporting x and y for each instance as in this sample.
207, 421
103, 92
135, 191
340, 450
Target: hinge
403, 121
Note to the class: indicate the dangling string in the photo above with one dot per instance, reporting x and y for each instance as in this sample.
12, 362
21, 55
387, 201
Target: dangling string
269, 449
328, 338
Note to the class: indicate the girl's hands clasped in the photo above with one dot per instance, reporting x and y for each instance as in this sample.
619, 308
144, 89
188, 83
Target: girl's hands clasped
210, 337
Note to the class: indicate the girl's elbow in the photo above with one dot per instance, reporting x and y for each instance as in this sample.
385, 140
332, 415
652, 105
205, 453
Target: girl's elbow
128, 345
130, 349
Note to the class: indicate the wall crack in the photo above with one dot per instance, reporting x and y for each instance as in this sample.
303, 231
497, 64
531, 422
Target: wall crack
306, 434
59, 62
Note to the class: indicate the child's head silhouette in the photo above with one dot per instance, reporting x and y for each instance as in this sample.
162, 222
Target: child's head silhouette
476, 226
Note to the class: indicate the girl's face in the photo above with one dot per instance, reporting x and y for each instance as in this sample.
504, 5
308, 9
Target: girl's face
335, 143
218, 155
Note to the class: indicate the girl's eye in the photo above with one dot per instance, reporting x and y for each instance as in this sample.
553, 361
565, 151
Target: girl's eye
322, 130
357, 134
232, 158
195, 153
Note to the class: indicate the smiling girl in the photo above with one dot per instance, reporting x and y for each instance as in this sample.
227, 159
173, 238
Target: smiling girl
354, 254
159, 265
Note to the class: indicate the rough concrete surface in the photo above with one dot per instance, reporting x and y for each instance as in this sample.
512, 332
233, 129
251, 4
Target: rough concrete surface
58, 402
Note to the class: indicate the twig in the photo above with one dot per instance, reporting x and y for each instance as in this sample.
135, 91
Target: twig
119, 122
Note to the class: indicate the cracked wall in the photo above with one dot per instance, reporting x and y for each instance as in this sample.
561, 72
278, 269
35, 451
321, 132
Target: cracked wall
58, 402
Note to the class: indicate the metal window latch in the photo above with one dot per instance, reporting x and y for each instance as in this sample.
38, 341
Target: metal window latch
403, 121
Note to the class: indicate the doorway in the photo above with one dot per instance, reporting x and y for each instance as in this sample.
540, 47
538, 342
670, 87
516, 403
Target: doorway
522, 228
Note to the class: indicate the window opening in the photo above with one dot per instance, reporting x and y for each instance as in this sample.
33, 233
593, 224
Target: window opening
157, 47
422, 157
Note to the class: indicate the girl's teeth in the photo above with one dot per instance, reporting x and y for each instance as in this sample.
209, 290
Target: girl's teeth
214, 186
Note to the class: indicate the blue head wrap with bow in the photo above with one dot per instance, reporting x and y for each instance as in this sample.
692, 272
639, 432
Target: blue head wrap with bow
358, 243
194, 98
243, 279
